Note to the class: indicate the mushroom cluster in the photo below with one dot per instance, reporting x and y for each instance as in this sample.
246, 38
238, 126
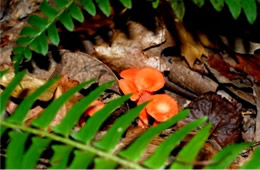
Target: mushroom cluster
143, 83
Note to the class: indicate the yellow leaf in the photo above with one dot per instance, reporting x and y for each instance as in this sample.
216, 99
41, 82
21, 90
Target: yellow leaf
27, 86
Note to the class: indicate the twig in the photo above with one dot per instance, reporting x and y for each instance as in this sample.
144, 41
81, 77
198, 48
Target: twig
257, 131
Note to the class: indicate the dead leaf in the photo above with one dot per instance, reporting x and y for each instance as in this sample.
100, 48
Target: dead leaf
64, 85
32, 114
141, 48
249, 65
4, 41
78, 66
224, 116
27, 86
190, 48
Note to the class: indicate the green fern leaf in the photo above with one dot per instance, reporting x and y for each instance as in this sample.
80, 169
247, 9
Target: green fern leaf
156, 3
104, 164
89, 6
15, 150
49, 113
43, 43
40, 44
29, 31
178, 8
104, 6
160, 156
48, 10
135, 150
217, 4
28, 53
61, 156
38, 22
226, 156
253, 163
53, 34
33, 154
5, 95
199, 3
2, 130
87, 133
127, 3
76, 13
23, 41
81, 160
23, 108
250, 10
114, 134
66, 20
61, 3
234, 7
18, 49
190, 151
74, 113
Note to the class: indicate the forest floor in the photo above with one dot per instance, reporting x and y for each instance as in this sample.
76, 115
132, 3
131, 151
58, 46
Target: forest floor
211, 65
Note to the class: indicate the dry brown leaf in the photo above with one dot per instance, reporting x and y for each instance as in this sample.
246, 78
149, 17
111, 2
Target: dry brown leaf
32, 114
249, 65
140, 49
27, 86
63, 110
190, 49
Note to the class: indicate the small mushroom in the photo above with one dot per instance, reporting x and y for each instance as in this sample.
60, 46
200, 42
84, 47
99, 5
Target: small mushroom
94, 107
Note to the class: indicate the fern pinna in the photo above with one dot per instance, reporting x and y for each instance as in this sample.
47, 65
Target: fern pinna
79, 150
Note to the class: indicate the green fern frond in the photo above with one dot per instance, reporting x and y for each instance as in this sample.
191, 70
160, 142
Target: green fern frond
81, 151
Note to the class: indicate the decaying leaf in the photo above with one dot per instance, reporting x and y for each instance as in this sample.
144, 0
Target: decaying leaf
224, 116
141, 48
33, 113
234, 80
190, 48
27, 86
249, 65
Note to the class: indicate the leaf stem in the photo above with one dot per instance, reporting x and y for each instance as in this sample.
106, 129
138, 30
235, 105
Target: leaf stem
67, 141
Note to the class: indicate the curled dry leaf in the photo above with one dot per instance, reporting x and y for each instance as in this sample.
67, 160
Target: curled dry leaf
224, 116
27, 86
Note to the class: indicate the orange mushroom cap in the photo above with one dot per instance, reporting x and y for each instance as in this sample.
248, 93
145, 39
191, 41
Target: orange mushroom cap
127, 87
94, 107
162, 107
149, 79
129, 74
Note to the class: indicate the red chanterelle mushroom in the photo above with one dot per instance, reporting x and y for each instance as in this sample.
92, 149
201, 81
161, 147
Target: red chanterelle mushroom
142, 83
